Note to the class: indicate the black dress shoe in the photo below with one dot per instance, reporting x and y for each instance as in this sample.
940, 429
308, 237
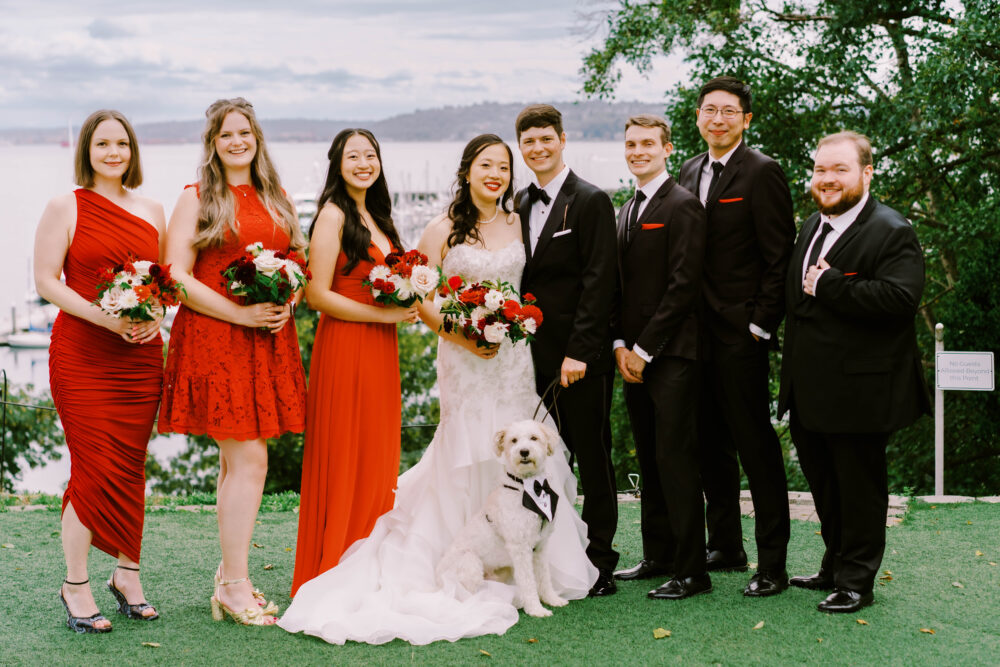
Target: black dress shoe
821, 581
646, 569
605, 585
766, 583
843, 601
679, 588
726, 561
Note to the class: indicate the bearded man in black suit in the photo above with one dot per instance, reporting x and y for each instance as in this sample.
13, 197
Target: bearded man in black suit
750, 238
851, 372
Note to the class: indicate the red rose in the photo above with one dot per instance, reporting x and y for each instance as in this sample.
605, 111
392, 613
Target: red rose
454, 283
388, 287
528, 296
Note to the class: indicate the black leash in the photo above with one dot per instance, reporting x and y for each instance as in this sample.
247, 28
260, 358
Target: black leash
553, 387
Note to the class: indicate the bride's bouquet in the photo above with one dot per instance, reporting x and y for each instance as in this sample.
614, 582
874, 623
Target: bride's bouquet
404, 279
136, 289
266, 276
489, 311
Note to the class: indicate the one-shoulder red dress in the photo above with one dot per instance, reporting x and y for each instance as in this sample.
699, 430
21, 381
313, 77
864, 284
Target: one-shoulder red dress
225, 380
105, 389
350, 459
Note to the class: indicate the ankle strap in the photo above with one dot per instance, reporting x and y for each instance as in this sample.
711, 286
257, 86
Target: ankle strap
130, 569
228, 582
76, 583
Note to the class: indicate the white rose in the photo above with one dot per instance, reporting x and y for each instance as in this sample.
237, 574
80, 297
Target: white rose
494, 299
403, 290
529, 325
292, 271
142, 267
255, 248
111, 301
128, 300
477, 314
267, 263
423, 279
495, 333
380, 272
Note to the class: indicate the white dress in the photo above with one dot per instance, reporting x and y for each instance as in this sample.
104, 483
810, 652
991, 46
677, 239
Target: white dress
384, 587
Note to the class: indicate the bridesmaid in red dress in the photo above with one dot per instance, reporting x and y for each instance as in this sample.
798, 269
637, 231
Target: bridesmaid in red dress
105, 372
233, 371
351, 454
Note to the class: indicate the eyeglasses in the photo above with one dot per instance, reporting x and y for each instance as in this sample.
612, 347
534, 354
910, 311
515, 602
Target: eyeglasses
728, 113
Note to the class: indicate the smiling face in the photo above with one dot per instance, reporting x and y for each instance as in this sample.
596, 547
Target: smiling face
839, 181
360, 166
489, 174
721, 133
110, 150
542, 149
236, 144
645, 152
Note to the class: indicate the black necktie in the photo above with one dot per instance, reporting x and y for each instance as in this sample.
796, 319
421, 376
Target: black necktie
818, 244
717, 168
633, 214
535, 193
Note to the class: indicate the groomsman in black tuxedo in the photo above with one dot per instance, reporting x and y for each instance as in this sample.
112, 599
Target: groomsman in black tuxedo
850, 372
568, 226
750, 238
661, 248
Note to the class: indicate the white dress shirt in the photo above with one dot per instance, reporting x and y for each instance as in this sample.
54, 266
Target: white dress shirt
540, 210
706, 172
839, 225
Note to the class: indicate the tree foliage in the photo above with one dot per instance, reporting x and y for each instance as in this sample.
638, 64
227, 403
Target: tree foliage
922, 79
32, 436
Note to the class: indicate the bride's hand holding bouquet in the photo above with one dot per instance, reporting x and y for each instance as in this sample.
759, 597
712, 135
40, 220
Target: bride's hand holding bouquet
485, 313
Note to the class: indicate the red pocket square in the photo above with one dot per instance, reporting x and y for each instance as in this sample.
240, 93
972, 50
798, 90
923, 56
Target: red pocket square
652, 225
730, 201
852, 273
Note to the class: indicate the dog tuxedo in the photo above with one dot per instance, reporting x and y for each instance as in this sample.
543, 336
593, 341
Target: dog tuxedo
538, 496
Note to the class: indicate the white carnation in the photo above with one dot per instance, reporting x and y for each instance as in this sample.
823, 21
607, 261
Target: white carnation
142, 267
111, 301
495, 333
423, 279
494, 299
477, 314
267, 263
403, 290
380, 272
292, 271
529, 325
128, 299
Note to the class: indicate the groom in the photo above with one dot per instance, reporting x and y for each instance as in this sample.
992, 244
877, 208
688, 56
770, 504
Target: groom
568, 227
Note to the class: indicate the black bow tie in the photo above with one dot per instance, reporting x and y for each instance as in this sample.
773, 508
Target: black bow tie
535, 193
543, 486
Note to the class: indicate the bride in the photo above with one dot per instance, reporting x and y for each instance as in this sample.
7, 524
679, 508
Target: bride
384, 586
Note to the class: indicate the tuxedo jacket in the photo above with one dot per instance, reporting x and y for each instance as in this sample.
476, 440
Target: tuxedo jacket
572, 274
751, 232
660, 266
850, 362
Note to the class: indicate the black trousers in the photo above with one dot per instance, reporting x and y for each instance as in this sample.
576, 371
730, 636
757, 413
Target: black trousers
583, 411
849, 483
663, 413
736, 420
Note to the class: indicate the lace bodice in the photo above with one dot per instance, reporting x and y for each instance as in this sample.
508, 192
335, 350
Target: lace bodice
475, 263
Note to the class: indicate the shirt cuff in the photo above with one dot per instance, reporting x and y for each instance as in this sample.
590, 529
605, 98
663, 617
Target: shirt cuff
642, 353
617, 344
760, 333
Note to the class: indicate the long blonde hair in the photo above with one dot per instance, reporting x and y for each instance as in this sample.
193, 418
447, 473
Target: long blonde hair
217, 205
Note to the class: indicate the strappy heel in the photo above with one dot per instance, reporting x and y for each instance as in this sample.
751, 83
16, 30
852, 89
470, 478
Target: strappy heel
267, 606
82, 624
133, 611
254, 616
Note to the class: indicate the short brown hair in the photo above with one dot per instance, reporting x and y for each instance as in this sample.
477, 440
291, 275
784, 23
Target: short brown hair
862, 143
538, 115
650, 120
84, 170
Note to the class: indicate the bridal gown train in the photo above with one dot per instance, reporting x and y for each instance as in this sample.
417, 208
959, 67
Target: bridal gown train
384, 587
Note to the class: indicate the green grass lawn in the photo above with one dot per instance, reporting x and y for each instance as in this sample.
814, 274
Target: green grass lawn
944, 577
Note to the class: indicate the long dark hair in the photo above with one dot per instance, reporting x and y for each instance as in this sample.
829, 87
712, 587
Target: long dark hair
356, 238
462, 210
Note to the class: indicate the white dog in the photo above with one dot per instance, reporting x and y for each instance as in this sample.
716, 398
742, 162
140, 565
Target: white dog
512, 528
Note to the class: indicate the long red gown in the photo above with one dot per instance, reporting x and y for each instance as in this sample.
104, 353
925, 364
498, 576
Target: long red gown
351, 455
105, 389
225, 380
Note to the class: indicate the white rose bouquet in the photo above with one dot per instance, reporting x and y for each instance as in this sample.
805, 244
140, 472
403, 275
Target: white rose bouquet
266, 276
404, 279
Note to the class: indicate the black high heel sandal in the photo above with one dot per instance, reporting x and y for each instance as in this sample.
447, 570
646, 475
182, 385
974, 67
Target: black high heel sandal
133, 611
82, 624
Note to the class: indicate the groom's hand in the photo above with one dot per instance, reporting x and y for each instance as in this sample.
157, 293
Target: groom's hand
621, 355
571, 371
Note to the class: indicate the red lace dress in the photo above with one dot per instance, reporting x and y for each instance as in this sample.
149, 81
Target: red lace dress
225, 380
351, 456
105, 389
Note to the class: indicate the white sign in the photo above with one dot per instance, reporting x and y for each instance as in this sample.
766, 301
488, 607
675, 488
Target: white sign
971, 371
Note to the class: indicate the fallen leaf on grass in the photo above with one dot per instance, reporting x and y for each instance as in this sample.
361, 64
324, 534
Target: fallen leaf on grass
259, 546
933, 507
968, 523
532, 641
660, 633
862, 621
759, 626
929, 631
993, 564
151, 644
7, 546
485, 653
269, 566
752, 566
819, 640
957, 584
887, 577
817, 532
889, 572
288, 548
979, 553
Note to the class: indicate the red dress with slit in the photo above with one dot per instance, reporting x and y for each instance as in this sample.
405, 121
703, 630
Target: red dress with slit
225, 380
351, 457
105, 389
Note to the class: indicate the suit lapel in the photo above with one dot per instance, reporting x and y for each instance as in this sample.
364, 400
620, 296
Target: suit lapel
524, 211
558, 214
651, 210
694, 183
845, 239
728, 173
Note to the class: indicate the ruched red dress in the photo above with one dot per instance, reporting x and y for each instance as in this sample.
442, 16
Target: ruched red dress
351, 456
225, 380
105, 389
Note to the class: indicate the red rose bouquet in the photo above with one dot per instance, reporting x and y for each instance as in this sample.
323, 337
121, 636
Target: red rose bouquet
266, 276
404, 279
137, 289
489, 311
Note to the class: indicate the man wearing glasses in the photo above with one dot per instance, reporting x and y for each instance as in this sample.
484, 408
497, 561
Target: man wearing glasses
749, 242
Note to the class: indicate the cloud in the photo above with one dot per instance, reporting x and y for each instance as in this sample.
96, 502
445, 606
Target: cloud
104, 29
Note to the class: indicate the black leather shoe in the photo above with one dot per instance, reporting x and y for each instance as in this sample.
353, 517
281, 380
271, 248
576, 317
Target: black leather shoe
605, 585
821, 581
843, 601
679, 588
726, 561
766, 583
646, 569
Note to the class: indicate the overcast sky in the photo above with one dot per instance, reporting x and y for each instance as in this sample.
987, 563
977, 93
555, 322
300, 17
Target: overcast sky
362, 60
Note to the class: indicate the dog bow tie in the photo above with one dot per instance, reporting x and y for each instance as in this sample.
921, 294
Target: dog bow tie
535, 193
540, 498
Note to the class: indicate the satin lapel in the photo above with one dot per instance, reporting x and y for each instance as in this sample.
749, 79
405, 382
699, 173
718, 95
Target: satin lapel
623, 222
699, 170
558, 214
845, 239
653, 207
524, 211
732, 167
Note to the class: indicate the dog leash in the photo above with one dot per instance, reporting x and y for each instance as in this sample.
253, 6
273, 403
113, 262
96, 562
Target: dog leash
554, 388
